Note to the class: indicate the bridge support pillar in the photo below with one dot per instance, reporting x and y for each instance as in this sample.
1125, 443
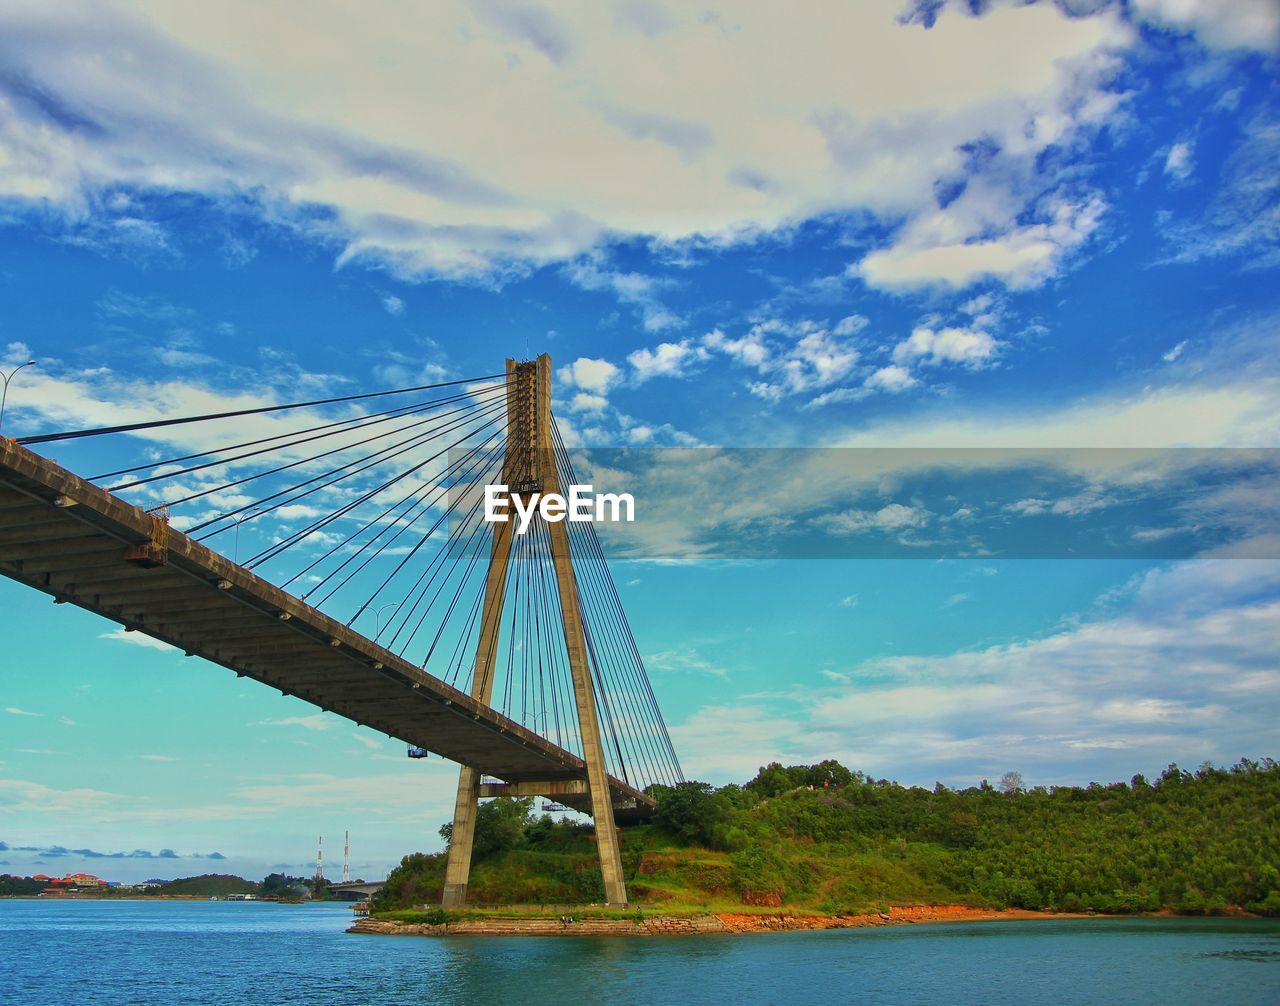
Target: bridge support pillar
457, 869
530, 462
615, 888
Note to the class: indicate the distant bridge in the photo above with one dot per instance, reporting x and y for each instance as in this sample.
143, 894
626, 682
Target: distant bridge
357, 888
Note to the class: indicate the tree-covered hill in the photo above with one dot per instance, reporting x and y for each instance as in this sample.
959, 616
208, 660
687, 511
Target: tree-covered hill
208, 885
827, 839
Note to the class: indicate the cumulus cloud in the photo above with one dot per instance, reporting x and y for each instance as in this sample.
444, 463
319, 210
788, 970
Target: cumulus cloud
790, 357
893, 517
669, 359
591, 375
941, 249
585, 402
395, 172
892, 379
968, 347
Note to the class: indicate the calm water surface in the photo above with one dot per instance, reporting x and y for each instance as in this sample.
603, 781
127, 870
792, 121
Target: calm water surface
98, 952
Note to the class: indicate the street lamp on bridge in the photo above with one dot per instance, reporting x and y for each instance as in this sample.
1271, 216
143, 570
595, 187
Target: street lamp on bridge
4, 397
377, 614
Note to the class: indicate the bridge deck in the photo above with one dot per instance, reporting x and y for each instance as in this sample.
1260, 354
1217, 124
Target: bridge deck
67, 537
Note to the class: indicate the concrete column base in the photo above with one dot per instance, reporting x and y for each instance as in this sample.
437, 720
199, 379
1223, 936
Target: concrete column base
455, 896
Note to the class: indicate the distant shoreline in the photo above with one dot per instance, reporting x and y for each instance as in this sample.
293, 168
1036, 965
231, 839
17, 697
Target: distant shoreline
162, 897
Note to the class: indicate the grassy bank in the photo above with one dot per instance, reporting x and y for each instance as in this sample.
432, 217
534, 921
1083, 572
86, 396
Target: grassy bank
823, 839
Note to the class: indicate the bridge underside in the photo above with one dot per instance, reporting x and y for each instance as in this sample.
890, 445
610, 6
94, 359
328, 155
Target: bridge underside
68, 538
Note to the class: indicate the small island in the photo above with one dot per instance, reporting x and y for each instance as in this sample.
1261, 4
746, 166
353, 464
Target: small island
822, 846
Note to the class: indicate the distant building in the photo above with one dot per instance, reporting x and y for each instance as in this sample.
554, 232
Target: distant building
76, 880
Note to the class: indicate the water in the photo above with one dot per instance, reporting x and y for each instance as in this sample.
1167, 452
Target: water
92, 953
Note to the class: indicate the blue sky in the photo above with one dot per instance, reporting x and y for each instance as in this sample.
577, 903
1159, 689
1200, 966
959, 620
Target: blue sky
874, 225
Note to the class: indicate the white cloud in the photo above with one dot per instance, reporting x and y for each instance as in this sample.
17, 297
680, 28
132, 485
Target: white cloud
136, 639
684, 658
372, 743
316, 721
1179, 163
296, 511
1243, 216
20, 795
969, 347
749, 350
393, 305
792, 357
629, 287
15, 711
1221, 24
649, 135
850, 325
389, 795
595, 376
157, 757
849, 601
1174, 353
1069, 506
892, 379
1230, 415
710, 741
669, 359
942, 249
1186, 672
584, 402
893, 517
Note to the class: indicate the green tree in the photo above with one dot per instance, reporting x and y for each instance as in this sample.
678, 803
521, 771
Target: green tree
771, 780
500, 826
694, 812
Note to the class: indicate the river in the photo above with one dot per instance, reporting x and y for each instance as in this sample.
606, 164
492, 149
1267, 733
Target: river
93, 953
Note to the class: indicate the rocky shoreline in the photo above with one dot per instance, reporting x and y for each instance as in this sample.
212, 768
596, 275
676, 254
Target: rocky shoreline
694, 925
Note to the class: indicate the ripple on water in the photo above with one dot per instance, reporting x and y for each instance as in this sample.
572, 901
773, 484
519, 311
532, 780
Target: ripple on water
101, 953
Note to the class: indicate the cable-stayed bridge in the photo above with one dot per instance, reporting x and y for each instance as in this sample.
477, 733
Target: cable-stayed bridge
508, 653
